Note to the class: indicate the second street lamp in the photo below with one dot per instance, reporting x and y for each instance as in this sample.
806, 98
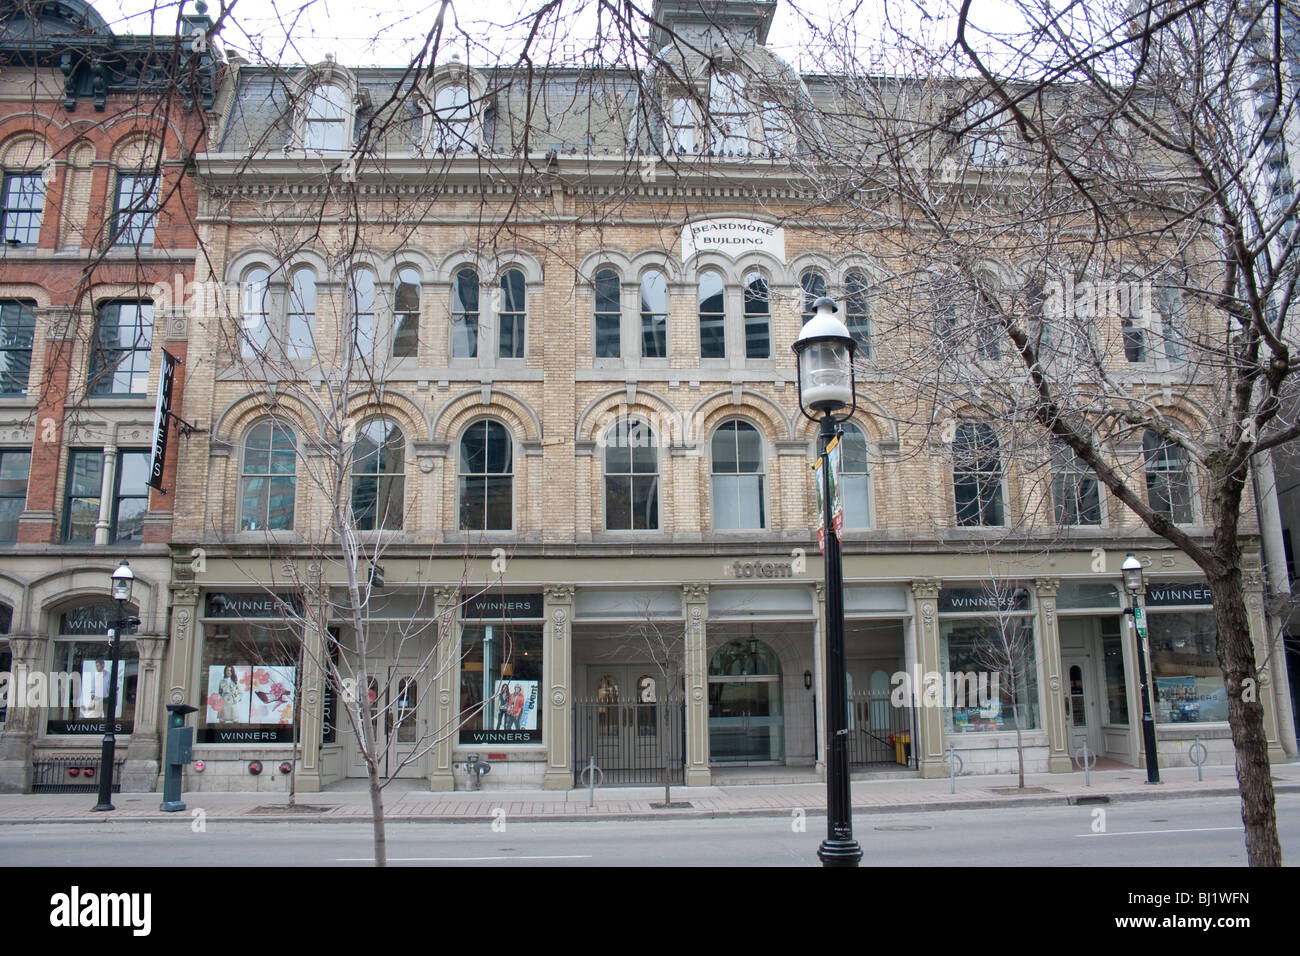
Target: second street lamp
123, 579
824, 356
1132, 569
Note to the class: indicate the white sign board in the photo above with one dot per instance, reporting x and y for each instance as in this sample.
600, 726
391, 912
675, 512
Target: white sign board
732, 237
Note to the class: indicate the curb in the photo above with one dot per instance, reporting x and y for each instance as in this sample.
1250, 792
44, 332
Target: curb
596, 816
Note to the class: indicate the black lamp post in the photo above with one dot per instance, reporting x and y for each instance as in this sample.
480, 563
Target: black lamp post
1132, 569
824, 353
123, 578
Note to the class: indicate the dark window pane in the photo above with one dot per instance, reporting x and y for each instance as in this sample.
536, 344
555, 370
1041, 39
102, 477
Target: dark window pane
498, 489
713, 339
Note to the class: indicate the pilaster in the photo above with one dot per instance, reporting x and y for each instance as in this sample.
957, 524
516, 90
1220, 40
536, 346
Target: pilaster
27, 655
143, 754
929, 720
1253, 586
1052, 686
697, 686
557, 665
442, 778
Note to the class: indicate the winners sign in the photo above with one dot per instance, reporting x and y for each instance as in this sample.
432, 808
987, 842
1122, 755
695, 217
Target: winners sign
161, 414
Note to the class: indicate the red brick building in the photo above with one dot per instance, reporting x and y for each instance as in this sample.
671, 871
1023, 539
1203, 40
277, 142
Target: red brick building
96, 270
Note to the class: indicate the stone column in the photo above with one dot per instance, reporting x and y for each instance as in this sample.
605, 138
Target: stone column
929, 720
1253, 585
313, 682
445, 715
1052, 694
557, 666
27, 653
143, 764
183, 644
697, 686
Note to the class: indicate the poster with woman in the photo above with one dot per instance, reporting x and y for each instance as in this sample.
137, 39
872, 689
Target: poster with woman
272, 698
516, 704
94, 687
228, 694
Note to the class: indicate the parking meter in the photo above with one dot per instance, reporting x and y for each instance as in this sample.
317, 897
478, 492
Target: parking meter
178, 751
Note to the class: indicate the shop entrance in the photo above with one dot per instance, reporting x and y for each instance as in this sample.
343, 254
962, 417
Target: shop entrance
398, 725
746, 718
1080, 711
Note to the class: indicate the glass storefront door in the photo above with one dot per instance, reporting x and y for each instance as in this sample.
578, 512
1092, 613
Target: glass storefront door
746, 719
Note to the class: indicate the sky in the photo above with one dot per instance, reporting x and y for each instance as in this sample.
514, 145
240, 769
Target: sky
373, 32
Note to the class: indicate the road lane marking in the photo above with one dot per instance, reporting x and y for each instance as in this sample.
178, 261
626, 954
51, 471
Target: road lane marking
459, 859
1147, 832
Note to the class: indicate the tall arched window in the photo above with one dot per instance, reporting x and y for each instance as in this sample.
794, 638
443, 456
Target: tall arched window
738, 498
758, 326
631, 477
728, 114
325, 118
857, 311
977, 475
361, 306
406, 314
1076, 499
855, 479
654, 314
486, 478
268, 483
451, 119
1169, 478
379, 476
464, 314
608, 314
512, 315
814, 287
257, 314
713, 316
302, 314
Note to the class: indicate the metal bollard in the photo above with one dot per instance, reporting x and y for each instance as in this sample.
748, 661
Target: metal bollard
590, 773
1087, 761
954, 762
1199, 753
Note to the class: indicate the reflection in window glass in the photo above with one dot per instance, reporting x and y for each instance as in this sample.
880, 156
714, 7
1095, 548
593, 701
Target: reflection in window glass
738, 500
1185, 666
758, 340
486, 478
500, 683
1169, 480
974, 646
977, 475
713, 333
1116, 689
378, 476
85, 711
406, 314
512, 315
131, 497
609, 314
654, 315
14, 466
464, 315
631, 477
270, 464
855, 482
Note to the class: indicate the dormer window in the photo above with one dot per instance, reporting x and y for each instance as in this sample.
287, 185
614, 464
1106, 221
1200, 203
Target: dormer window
728, 115
452, 116
325, 118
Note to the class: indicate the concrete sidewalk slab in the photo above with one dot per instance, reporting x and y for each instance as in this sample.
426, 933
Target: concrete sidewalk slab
643, 803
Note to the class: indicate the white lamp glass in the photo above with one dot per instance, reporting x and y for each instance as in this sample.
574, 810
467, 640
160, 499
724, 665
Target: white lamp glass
825, 375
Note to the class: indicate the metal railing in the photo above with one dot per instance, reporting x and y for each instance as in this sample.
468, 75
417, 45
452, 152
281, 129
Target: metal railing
71, 773
879, 733
631, 742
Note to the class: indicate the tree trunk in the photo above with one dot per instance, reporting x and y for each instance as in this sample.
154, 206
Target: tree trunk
1246, 718
377, 813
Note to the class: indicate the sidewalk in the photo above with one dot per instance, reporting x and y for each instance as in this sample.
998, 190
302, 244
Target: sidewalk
642, 803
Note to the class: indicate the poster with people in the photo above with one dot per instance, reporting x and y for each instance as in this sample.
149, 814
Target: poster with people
229, 694
94, 687
514, 705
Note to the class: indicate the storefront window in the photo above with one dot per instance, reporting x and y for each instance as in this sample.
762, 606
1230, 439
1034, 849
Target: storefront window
500, 683
78, 682
1188, 681
249, 679
976, 659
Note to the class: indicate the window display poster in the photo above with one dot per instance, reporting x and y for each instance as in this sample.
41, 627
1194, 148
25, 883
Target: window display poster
229, 694
94, 687
511, 715
1190, 699
272, 699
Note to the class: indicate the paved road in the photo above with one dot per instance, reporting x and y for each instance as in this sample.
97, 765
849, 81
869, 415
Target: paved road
1181, 833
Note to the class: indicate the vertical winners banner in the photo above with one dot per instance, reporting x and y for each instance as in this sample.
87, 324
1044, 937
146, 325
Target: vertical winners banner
161, 416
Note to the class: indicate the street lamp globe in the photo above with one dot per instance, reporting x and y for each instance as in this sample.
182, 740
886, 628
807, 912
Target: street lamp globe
1132, 569
123, 579
825, 362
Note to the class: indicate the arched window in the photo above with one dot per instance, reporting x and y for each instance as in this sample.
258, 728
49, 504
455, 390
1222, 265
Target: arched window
855, 479
631, 477
814, 287
1076, 499
1173, 320
486, 478
378, 476
654, 314
857, 311
257, 313
464, 314
977, 475
267, 486
608, 314
713, 316
406, 314
302, 314
452, 115
728, 114
325, 118
1169, 478
738, 499
513, 314
21, 205
361, 305
758, 327
119, 364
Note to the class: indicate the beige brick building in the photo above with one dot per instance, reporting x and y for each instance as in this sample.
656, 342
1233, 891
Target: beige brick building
549, 370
